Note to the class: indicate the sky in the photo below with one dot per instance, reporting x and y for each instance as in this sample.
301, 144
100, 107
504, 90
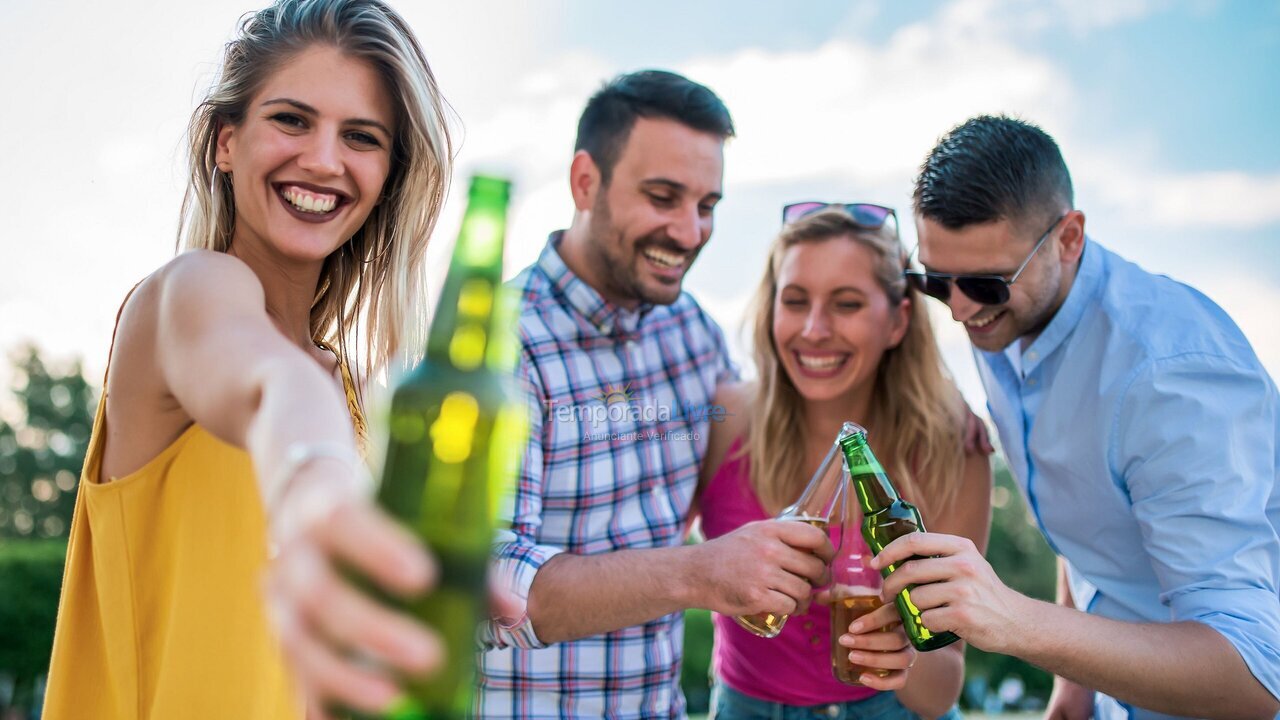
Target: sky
1165, 111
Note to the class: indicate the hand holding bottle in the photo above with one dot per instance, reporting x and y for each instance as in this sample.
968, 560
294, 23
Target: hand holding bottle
956, 589
881, 650
815, 506
764, 567
879, 657
321, 523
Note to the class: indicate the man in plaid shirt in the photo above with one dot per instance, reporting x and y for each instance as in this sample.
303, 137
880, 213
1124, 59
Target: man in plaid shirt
621, 367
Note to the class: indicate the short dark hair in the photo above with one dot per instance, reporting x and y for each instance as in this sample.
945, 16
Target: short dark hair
991, 168
610, 114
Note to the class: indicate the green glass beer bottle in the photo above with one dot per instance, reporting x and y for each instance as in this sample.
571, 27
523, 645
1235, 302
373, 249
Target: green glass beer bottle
885, 518
454, 441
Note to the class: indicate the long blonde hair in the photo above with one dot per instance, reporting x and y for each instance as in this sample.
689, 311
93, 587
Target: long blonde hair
377, 276
916, 409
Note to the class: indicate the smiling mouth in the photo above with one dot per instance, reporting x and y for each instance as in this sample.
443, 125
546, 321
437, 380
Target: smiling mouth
309, 201
663, 259
820, 363
981, 323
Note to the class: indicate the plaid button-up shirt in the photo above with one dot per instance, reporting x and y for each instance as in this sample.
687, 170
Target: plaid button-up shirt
619, 401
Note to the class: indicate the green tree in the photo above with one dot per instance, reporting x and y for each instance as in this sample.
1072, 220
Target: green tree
42, 451
31, 575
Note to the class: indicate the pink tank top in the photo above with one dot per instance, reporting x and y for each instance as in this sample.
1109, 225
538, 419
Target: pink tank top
793, 668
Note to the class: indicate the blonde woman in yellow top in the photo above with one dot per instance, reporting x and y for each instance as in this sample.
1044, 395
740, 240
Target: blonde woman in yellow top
229, 423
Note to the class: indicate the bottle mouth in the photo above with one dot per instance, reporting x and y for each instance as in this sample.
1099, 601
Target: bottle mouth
850, 432
851, 428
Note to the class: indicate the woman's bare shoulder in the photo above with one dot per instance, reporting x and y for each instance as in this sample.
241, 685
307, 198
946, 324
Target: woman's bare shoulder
735, 396
732, 407
143, 415
196, 272
190, 281
729, 414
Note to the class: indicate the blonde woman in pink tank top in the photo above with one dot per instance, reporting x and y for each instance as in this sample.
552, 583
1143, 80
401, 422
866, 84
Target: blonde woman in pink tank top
838, 336
230, 425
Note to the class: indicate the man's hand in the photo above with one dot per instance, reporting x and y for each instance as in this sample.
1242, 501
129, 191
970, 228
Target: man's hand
1069, 701
766, 566
976, 437
880, 643
958, 590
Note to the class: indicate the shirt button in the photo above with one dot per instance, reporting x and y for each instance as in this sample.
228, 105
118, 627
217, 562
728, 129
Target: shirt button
808, 624
1033, 356
815, 640
1031, 382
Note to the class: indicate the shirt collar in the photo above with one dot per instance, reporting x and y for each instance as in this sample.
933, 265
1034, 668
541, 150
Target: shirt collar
1083, 289
608, 318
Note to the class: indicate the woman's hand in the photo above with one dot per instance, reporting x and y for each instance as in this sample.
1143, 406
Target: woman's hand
1069, 701
345, 648
882, 647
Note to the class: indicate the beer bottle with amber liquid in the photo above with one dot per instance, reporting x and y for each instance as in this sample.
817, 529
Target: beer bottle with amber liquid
454, 441
819, 501
855, 587
885, 518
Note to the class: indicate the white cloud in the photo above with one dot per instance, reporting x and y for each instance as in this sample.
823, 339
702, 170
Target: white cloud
1252, 302
1212, 200
848, 119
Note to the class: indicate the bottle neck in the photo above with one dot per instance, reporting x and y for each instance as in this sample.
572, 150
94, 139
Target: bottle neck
460, 330
820, 497
875, 491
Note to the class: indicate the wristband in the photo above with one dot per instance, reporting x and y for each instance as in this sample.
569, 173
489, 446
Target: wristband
300, 454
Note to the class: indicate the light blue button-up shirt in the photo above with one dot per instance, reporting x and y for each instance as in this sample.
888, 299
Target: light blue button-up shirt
1145, 436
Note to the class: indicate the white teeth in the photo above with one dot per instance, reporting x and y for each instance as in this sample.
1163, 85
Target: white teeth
310, 203
821, 363
663, 258
983, 322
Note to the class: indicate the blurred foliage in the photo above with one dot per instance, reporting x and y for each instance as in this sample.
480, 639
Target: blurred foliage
42, 452
42, 448
31, 577
1022, 559
1017, 552
695, 672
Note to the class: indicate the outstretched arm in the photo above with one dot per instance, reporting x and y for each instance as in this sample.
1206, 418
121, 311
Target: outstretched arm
228, 367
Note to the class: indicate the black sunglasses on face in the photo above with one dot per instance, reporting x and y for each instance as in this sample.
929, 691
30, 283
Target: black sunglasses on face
872, 217
982, 289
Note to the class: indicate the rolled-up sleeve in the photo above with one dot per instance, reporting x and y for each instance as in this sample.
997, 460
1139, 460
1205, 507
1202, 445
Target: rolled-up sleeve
517, 556
1198, 456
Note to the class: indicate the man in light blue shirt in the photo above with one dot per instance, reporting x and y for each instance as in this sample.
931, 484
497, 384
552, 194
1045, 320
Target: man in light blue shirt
1142, 430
